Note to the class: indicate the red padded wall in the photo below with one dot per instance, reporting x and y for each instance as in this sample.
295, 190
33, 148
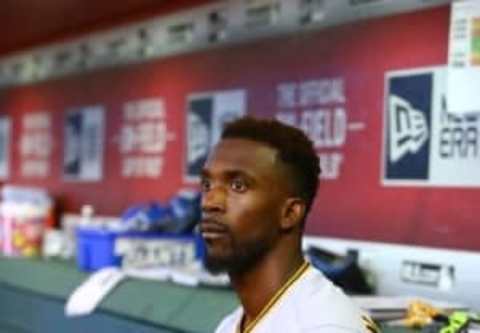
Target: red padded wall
355, 205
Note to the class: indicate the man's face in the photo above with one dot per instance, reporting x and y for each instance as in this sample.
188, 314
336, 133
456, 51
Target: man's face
243, 193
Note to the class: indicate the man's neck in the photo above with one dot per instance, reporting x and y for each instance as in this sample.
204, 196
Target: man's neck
258, 286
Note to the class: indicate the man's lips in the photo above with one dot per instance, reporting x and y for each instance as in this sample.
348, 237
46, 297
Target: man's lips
212, 229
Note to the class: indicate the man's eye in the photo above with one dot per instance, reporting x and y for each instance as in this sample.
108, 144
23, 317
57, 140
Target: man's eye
205, 185
238, 185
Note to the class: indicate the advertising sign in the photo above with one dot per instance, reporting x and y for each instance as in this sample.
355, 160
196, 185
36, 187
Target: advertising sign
83, 144
464, 57
5, 125
206, 116
144, 137
424, 143
36, 144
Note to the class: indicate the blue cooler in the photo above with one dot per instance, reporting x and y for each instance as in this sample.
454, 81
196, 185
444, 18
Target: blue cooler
95, 249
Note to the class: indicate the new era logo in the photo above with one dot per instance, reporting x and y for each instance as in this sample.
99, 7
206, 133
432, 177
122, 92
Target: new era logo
425, 144
408, 128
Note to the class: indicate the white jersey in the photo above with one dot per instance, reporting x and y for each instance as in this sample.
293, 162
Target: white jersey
307, 303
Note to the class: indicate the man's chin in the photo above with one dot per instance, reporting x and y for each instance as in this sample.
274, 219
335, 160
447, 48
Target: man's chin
216, 265
237, 260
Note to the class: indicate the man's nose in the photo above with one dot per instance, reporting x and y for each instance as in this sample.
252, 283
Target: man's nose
214, 200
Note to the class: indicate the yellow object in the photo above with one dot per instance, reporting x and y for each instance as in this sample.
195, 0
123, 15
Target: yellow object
420, 314
18, 239
30, 251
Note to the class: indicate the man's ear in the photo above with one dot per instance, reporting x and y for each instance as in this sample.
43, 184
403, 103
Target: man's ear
293, 213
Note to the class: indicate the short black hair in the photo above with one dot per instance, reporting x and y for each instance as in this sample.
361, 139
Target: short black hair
294, 148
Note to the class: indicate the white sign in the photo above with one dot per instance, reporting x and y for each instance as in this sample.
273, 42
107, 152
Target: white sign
144, 137
424, 143
36, 145
5, 126
158, 252
464, 58
84, 139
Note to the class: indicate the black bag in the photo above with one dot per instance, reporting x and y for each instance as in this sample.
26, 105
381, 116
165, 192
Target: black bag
343, 271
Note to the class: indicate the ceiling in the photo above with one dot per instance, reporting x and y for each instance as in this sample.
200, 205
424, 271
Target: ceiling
29, 23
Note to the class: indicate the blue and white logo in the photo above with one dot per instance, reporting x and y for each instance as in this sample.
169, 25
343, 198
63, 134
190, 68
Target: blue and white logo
408, 122
206, 117
408, 128
424, 143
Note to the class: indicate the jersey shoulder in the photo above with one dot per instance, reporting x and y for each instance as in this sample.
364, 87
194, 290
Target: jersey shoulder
230, 322
320, 303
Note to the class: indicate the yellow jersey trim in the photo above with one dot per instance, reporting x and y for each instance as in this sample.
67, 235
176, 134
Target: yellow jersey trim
370, 325
295, 277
